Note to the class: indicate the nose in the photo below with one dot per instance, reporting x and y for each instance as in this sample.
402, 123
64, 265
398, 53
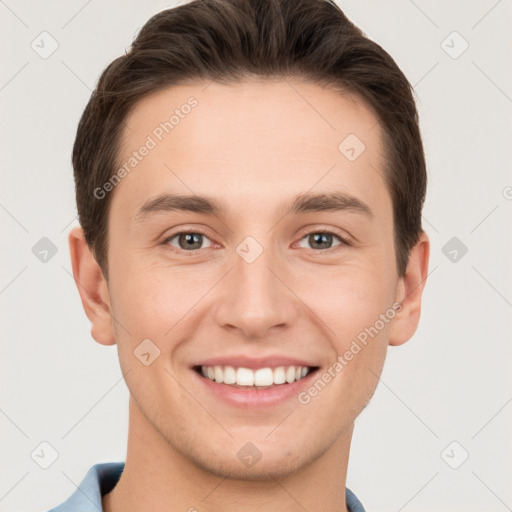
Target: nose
256, 298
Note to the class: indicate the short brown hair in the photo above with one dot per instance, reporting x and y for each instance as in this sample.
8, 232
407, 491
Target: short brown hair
227, 41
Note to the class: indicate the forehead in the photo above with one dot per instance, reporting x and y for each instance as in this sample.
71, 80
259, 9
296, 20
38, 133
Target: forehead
252, 141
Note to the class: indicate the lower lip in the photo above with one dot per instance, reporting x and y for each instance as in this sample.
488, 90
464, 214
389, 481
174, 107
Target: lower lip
250, 398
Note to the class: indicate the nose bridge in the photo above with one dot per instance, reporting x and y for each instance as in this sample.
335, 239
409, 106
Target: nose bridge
255, 299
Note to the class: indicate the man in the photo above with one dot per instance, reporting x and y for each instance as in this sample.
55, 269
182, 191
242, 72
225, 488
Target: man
249, 180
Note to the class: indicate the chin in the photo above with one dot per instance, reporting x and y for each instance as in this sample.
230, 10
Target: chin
262, 470
245, 462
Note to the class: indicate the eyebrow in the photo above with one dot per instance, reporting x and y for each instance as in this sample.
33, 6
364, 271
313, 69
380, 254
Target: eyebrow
303, 203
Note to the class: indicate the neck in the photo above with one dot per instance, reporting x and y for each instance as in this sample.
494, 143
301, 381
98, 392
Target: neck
156, 477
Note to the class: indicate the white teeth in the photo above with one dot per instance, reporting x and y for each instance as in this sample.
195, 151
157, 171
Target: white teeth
219, 374
290, 374
262, 377
244, 377
280, 375
229, 375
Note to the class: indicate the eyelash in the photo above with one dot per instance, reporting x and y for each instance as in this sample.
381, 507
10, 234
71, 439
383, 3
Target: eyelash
344, 241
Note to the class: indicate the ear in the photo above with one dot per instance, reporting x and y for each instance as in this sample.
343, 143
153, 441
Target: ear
409, 293
92, 288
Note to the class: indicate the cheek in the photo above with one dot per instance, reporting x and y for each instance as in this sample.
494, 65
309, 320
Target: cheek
144, 306
355, 306
154, 298
350, 300
158, 303
148, 308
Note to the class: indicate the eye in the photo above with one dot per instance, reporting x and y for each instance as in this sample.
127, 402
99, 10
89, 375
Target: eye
187, 240
323, 240
190, 241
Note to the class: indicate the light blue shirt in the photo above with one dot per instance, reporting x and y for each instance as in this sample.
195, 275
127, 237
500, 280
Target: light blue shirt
102, 478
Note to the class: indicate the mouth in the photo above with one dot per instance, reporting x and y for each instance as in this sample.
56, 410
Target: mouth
258, 378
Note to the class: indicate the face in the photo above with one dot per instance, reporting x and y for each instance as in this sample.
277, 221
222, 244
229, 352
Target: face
246, 280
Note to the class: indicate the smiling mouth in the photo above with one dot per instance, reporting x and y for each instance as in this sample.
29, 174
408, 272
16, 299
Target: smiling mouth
260, 378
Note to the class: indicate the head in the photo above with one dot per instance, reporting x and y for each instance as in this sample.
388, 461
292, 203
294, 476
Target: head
296, 141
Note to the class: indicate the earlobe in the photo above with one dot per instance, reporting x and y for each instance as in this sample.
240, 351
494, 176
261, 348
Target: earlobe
409, 293
92, 288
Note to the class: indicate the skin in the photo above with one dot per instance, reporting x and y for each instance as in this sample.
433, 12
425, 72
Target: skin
254, 145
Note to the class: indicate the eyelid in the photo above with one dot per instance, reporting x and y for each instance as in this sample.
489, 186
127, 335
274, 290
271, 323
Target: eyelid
345, 240
187, 231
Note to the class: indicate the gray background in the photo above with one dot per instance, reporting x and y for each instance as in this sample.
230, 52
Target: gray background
451, 382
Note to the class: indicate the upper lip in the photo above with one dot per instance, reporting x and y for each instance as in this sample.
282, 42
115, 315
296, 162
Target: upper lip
244, 361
